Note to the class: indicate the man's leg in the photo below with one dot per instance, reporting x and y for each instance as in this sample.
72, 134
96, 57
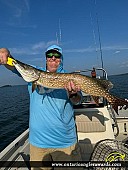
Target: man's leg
69, 154
39, 154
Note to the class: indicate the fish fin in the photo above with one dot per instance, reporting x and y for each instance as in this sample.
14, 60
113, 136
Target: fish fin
34, 85
38, 87
116, 101
115, 107
96, 99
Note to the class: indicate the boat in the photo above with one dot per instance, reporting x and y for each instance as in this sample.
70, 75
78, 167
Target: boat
102, 136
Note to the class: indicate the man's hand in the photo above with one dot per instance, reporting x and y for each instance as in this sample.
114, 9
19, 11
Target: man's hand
71, 88
73, 92
4, 53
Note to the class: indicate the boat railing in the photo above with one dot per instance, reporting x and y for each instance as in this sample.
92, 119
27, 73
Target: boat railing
101, 75
13, 147
114, 120
88, 100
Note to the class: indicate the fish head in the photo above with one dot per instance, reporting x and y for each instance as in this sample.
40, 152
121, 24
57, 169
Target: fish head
28, 72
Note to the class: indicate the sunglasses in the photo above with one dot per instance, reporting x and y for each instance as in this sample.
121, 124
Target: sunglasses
50, 55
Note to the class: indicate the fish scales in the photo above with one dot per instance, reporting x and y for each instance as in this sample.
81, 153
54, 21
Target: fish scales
56, 80
87, 84
94, 87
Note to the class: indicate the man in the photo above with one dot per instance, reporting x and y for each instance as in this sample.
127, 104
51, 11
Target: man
93, 73
52, 127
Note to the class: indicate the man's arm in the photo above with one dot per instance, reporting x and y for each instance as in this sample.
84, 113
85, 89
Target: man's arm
4, 54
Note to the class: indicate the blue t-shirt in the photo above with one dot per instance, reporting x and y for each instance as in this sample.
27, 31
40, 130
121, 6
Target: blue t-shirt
51, 122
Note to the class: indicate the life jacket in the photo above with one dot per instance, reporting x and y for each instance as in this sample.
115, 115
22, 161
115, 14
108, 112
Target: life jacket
93, 74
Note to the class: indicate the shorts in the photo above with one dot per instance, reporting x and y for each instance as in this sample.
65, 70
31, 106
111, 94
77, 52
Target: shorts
71, 153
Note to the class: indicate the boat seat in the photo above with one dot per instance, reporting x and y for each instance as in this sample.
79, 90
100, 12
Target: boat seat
88, 122
92, 121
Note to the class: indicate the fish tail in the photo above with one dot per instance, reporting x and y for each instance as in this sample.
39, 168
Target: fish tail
116, 101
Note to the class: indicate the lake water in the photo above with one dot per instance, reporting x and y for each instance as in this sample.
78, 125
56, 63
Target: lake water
14, 113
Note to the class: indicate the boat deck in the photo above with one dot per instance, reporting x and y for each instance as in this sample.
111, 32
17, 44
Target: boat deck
123, 137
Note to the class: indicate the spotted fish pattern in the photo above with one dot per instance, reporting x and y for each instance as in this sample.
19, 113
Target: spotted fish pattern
94, 87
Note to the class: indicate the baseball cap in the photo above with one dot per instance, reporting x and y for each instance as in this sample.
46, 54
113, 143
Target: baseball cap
54, 48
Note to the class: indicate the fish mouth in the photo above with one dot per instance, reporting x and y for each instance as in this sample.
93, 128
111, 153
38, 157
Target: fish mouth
26, 71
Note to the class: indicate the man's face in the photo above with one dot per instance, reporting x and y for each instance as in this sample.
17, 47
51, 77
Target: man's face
53, 61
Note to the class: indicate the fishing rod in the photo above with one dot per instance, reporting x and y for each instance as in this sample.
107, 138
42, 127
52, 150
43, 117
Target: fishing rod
59, 35
101, 54
94, 37
99, 37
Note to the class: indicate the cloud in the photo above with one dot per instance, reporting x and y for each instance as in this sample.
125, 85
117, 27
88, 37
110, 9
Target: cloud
118, 48
18, 13
104, 48
39, 45
32, 49
27, 4
42, 45
116, 52
123, 64
23, 50
17, 8
82, 50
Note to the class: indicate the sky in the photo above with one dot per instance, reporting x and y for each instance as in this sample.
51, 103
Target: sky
28, 27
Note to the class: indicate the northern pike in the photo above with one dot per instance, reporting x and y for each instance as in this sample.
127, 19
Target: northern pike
89, 85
